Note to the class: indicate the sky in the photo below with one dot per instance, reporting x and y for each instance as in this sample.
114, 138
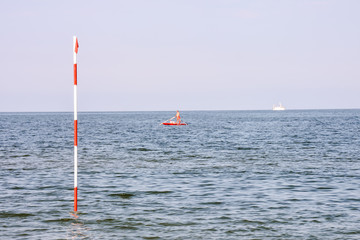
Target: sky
165, 55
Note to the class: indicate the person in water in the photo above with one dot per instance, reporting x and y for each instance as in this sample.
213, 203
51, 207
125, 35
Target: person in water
178, 119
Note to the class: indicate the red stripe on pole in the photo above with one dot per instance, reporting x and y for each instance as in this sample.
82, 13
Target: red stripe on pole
75, 199
75, 132
75, 74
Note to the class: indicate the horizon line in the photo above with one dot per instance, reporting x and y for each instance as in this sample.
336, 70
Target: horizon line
185, 110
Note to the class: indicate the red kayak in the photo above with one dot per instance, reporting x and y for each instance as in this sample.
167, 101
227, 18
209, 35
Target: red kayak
173, 123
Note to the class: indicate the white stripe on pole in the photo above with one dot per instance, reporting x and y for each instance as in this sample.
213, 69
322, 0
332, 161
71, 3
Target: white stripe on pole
75, 101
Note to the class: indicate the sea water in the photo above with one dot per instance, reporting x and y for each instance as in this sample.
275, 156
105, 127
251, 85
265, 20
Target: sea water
226, 175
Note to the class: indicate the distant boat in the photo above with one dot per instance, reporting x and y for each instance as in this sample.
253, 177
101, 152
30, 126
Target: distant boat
177, 122
278, 108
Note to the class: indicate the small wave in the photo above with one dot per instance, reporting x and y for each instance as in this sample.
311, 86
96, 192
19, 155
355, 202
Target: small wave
126, 227
252, 222
122, 195
17, 188
325, 188
176, 224
107, 220
154, 237
212, 203
246, 148
353, 199
355, 232
15, 215
159, 192
295, 200
60, 220
19, 156
193, 156
141, 149
236, 230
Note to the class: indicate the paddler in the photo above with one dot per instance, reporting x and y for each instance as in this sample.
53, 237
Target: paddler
178, 119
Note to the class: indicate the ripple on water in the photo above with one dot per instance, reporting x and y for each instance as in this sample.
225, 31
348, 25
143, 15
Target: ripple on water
122, 195
15, 215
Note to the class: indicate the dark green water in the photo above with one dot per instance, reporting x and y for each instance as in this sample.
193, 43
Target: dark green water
227, 175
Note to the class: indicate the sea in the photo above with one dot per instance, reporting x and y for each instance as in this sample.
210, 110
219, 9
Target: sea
226, 175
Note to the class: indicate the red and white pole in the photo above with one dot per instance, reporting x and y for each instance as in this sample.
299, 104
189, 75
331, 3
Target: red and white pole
75, 49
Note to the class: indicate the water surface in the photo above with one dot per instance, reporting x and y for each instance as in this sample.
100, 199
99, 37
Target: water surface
227, 175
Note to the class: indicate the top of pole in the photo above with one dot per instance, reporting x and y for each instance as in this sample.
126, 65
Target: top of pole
75, 48
76, 45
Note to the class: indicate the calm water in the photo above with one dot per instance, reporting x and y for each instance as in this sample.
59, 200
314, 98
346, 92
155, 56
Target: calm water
227, 175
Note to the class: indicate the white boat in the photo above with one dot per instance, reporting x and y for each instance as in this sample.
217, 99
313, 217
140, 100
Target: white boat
279, 107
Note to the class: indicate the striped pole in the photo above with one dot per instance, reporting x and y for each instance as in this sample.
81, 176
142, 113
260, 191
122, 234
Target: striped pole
75, 48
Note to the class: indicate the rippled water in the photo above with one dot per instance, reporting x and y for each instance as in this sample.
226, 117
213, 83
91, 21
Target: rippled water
227, 175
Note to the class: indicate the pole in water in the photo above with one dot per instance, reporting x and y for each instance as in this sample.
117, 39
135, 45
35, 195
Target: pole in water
75, 51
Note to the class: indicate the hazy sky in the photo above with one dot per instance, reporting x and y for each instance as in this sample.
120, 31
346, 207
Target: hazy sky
186, 55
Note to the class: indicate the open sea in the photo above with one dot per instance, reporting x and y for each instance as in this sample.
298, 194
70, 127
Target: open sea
226, 175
